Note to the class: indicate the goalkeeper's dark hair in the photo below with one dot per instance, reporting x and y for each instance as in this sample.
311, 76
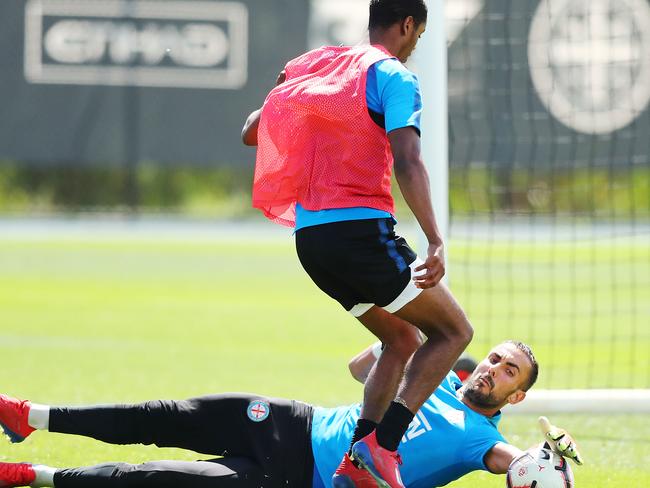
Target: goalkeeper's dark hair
534, 367
384, 13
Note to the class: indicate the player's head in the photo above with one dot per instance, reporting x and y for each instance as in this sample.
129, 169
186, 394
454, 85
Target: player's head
504, 376
406, 19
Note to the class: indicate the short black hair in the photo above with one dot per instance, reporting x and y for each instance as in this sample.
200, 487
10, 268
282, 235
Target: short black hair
534, 370
384, 13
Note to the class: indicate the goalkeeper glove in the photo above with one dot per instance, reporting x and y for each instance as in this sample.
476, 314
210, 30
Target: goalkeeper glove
560, 441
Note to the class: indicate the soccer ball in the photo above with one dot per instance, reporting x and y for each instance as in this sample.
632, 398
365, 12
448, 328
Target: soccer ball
539, 468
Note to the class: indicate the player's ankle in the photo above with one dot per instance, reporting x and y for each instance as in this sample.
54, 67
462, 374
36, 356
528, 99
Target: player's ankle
44, 476
363, 428
39, 416
393, 426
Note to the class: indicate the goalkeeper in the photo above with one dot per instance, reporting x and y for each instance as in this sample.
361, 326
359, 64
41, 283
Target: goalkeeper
269, 442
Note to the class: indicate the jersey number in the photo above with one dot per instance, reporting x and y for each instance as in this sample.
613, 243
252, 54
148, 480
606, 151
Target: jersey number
420, 425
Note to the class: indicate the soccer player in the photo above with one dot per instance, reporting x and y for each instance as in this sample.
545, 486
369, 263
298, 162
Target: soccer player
280, 443
328, 136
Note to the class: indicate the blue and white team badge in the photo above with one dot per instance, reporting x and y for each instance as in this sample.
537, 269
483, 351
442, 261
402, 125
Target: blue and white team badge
258, 410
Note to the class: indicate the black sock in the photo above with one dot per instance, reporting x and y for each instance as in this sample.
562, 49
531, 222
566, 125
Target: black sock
363, 428
393, 426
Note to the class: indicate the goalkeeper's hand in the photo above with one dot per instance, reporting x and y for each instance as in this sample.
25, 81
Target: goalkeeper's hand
560, 441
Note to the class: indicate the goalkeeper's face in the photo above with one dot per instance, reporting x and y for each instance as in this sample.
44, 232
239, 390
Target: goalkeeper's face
498, 379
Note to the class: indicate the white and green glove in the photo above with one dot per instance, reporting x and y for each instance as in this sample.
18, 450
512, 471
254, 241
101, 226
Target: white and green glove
560, 441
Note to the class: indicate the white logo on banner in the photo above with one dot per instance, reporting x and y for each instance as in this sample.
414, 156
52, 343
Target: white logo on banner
142, 43
590, 61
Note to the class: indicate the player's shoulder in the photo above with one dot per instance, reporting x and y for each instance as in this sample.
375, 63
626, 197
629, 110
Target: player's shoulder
392, 69
451, 382
312, 61
319, 52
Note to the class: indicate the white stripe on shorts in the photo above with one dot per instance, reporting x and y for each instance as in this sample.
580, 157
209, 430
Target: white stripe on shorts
409, 293
360, 308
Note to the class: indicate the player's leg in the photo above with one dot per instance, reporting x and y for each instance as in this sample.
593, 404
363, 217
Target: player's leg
437, 314
117, 424
359, 264
233, 424
444, 324
275, 433
400, 341
341, 258
441, 319
221, 473
434, 311
211, 424
272, 432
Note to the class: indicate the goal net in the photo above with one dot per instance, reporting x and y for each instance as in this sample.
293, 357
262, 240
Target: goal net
549, 183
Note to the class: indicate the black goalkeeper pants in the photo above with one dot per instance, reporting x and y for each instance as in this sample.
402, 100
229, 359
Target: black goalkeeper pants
272, 452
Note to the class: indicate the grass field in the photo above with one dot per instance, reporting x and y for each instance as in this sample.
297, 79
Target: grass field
93, 319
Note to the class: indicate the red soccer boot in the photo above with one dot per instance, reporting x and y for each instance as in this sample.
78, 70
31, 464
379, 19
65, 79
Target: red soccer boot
13, 418
16, 474
347, 475
381, 463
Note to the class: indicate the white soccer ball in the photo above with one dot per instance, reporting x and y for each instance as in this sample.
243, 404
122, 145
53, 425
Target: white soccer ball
539, 468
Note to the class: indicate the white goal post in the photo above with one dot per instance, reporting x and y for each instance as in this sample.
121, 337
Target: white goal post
431, 54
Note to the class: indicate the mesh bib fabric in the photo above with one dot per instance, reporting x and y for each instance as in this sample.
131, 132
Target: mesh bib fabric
317, 144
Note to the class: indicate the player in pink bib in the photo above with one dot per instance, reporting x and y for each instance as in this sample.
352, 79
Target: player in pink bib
328, 137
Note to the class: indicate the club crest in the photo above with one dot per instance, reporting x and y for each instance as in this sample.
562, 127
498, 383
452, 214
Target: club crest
258, 410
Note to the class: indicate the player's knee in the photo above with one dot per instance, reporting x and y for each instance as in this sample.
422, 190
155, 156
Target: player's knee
406, 343
464, 333
410, 342
458, 333
459, 330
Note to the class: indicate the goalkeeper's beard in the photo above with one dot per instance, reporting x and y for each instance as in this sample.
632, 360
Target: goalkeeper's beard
472, 391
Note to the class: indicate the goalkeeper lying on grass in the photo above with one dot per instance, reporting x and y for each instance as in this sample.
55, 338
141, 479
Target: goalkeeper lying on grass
268, 442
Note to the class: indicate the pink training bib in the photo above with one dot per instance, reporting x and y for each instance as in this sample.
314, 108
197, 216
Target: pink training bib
317, 144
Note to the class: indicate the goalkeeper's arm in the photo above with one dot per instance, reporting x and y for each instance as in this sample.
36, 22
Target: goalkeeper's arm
498, 459
361, 364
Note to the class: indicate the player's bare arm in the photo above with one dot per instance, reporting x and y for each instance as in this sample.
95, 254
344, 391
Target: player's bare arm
413, 181
500, 456
249, 132
361, 364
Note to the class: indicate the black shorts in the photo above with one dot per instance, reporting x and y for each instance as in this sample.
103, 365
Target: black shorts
359, 263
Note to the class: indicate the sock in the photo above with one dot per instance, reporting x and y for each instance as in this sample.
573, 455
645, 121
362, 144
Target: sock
363, 428
39, 416
44, 476
393, 426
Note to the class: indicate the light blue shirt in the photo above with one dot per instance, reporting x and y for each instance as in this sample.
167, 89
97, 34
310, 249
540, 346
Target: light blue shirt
393, 92
445, 441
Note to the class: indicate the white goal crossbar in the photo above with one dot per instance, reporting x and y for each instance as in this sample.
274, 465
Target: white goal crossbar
583, 401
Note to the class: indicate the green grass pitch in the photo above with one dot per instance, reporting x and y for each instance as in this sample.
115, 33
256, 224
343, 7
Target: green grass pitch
93, 320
